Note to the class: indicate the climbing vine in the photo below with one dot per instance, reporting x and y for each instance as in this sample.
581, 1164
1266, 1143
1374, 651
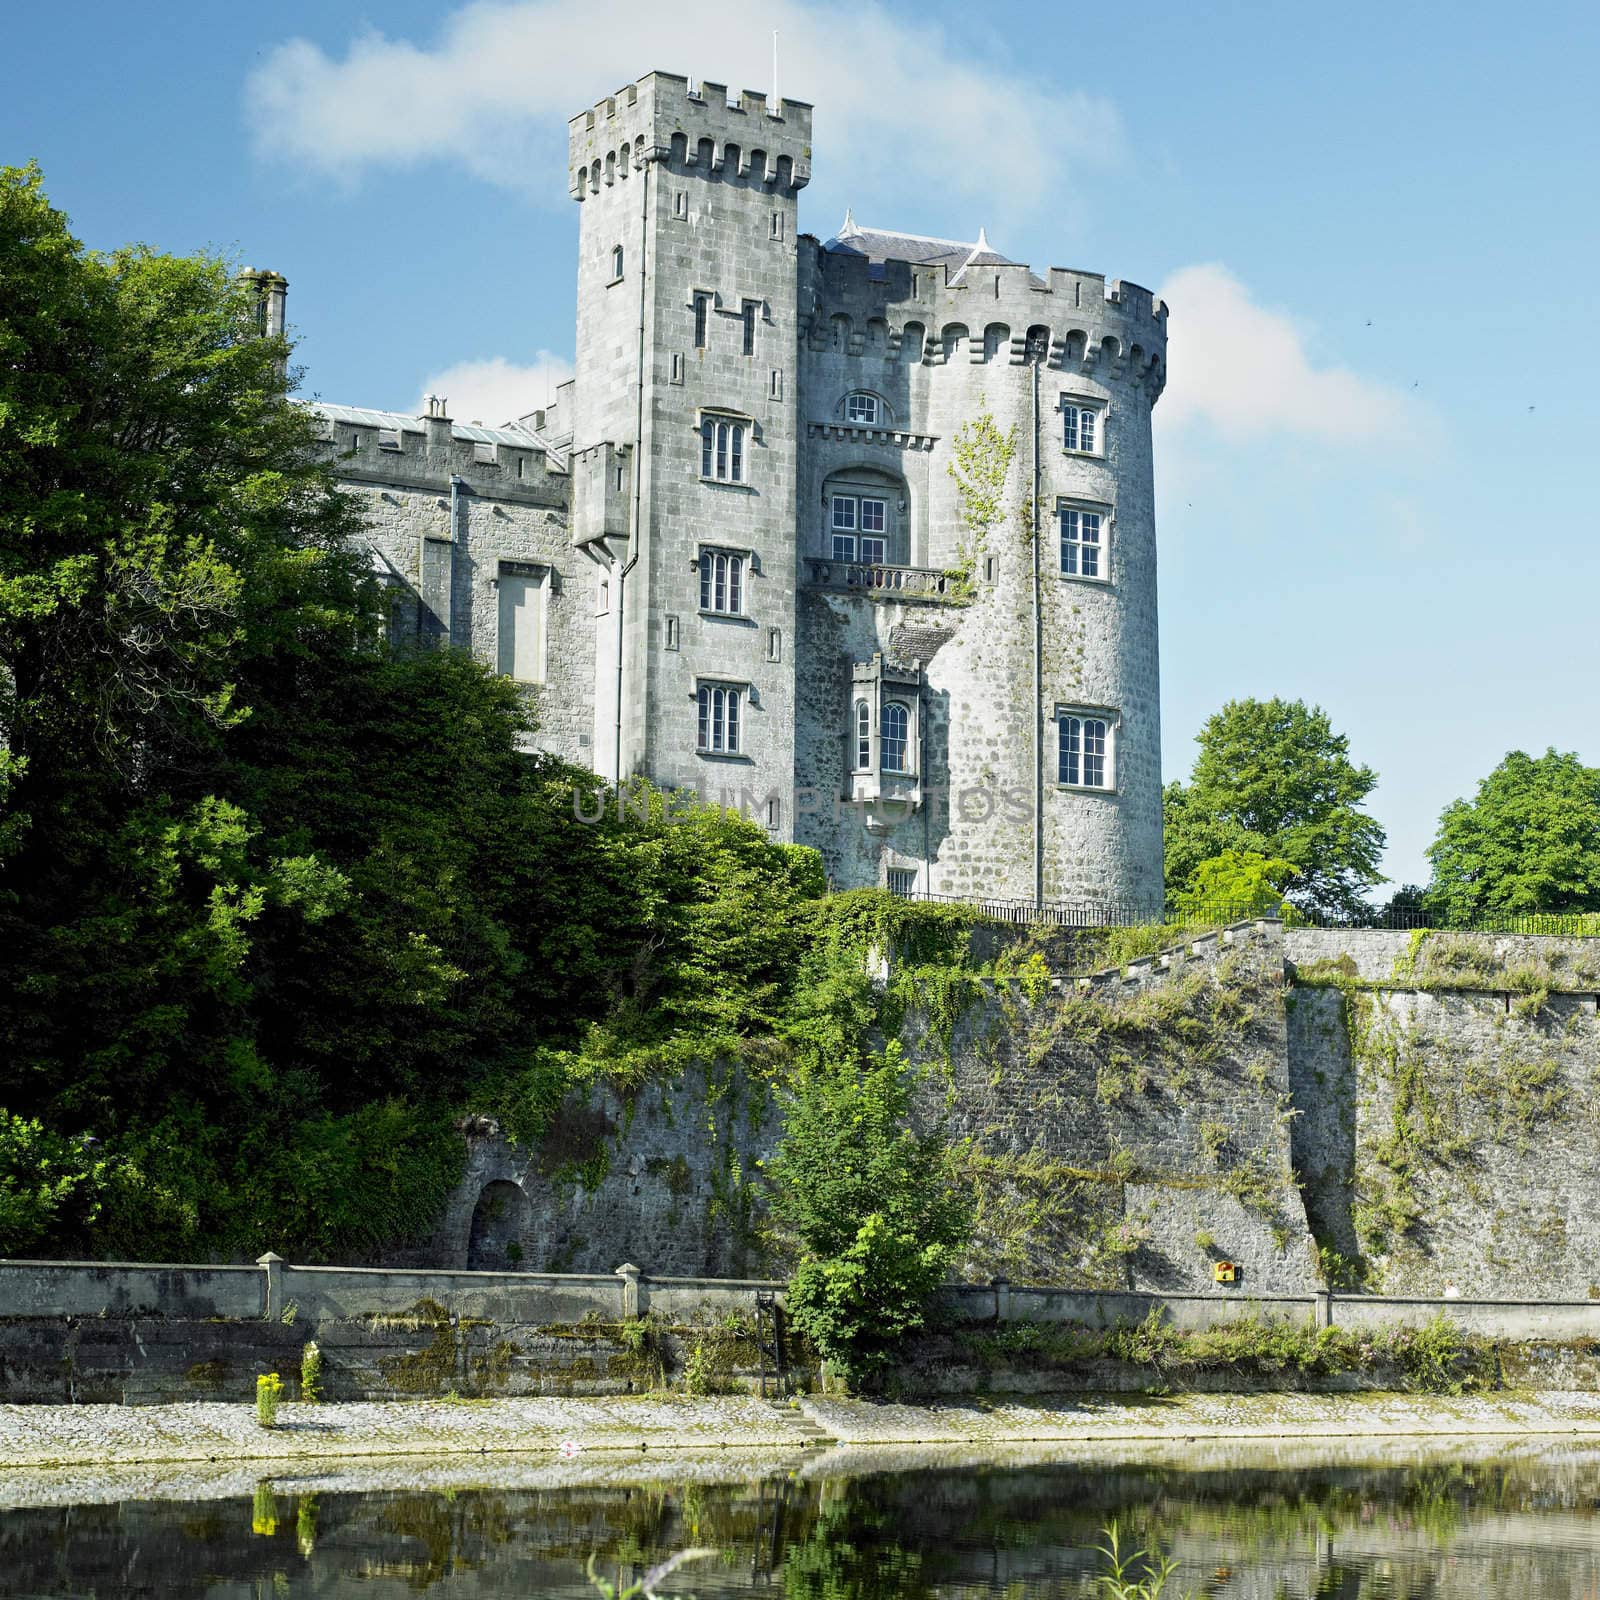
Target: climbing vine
983, 455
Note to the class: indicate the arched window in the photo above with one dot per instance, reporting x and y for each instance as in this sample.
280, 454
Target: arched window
722, 450
719, 719
623, 160
722, 582
996, 340
912, 337
863, 736
1038, 345
616, 262
953, 338
894, 737
862, 408
1084, 752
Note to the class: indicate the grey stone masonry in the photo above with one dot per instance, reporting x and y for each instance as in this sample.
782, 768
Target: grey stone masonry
733, 558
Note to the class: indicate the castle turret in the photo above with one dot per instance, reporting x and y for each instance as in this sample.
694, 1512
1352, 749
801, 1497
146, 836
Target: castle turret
928, 361
684, 429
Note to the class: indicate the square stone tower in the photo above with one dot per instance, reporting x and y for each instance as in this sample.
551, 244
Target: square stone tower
684, 433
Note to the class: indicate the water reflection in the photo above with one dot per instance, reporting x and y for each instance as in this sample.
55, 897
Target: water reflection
1524, 1526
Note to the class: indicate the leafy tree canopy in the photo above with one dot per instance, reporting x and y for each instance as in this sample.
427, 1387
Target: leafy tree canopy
1273, 779
1242, 879
1529, 841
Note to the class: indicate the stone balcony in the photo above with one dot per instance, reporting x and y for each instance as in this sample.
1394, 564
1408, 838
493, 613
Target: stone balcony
932, 585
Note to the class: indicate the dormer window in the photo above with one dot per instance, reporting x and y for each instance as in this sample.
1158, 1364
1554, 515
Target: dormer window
861, 409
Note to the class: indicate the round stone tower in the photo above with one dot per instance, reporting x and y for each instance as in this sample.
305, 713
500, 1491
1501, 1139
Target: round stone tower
977, 652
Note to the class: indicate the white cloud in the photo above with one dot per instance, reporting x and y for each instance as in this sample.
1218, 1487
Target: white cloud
494, 90
1246, 371
495, 390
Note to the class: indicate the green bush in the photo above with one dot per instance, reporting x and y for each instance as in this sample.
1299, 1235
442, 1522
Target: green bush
876, 1211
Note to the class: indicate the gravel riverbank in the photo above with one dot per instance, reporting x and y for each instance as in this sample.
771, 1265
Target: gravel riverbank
649, 1426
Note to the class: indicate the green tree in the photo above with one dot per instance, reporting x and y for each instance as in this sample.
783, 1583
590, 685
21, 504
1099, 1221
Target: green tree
1242, 880
1529, 841
877, 1209
1274, 779
271, 900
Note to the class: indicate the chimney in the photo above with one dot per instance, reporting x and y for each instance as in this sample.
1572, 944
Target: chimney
436, 419
272, 297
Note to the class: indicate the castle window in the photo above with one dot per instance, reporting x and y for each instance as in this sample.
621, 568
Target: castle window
861, 408
702, 315
719, 719
1083, 549
863, 736
520, 593
912, 338
722, 450
722, 583
842, 525
680, 203
864, 515
616, 263
675, 368
1084, 750
748, 316
777, 224
903, 882
1080, 427
388, 438
894, 736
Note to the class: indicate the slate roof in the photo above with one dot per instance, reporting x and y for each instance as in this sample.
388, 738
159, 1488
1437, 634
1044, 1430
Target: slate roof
363, 417
882, 244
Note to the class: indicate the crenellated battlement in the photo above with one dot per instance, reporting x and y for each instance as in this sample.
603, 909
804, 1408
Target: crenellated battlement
426, 452
936, 315
663, 117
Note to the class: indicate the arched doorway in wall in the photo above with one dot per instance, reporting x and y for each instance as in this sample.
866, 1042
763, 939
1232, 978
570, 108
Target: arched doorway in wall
502, 1228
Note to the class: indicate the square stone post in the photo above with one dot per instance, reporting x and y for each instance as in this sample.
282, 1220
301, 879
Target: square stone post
1324, 1308
272, 1288
630, 1276
1002, 1298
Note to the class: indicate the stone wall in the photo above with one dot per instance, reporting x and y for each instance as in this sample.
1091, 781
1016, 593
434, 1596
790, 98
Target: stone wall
444, 577
1129, 1130
1449, 1101
1132, 1130
663, 1176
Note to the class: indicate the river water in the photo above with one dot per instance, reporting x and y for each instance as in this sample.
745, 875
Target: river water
1483, 1520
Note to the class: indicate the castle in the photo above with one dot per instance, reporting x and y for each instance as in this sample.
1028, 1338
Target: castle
857, 536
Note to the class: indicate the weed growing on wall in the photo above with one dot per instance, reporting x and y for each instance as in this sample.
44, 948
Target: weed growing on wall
1436, 1358
981, 467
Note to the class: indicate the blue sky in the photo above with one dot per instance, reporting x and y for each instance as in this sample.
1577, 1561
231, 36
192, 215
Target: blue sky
1376, 228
